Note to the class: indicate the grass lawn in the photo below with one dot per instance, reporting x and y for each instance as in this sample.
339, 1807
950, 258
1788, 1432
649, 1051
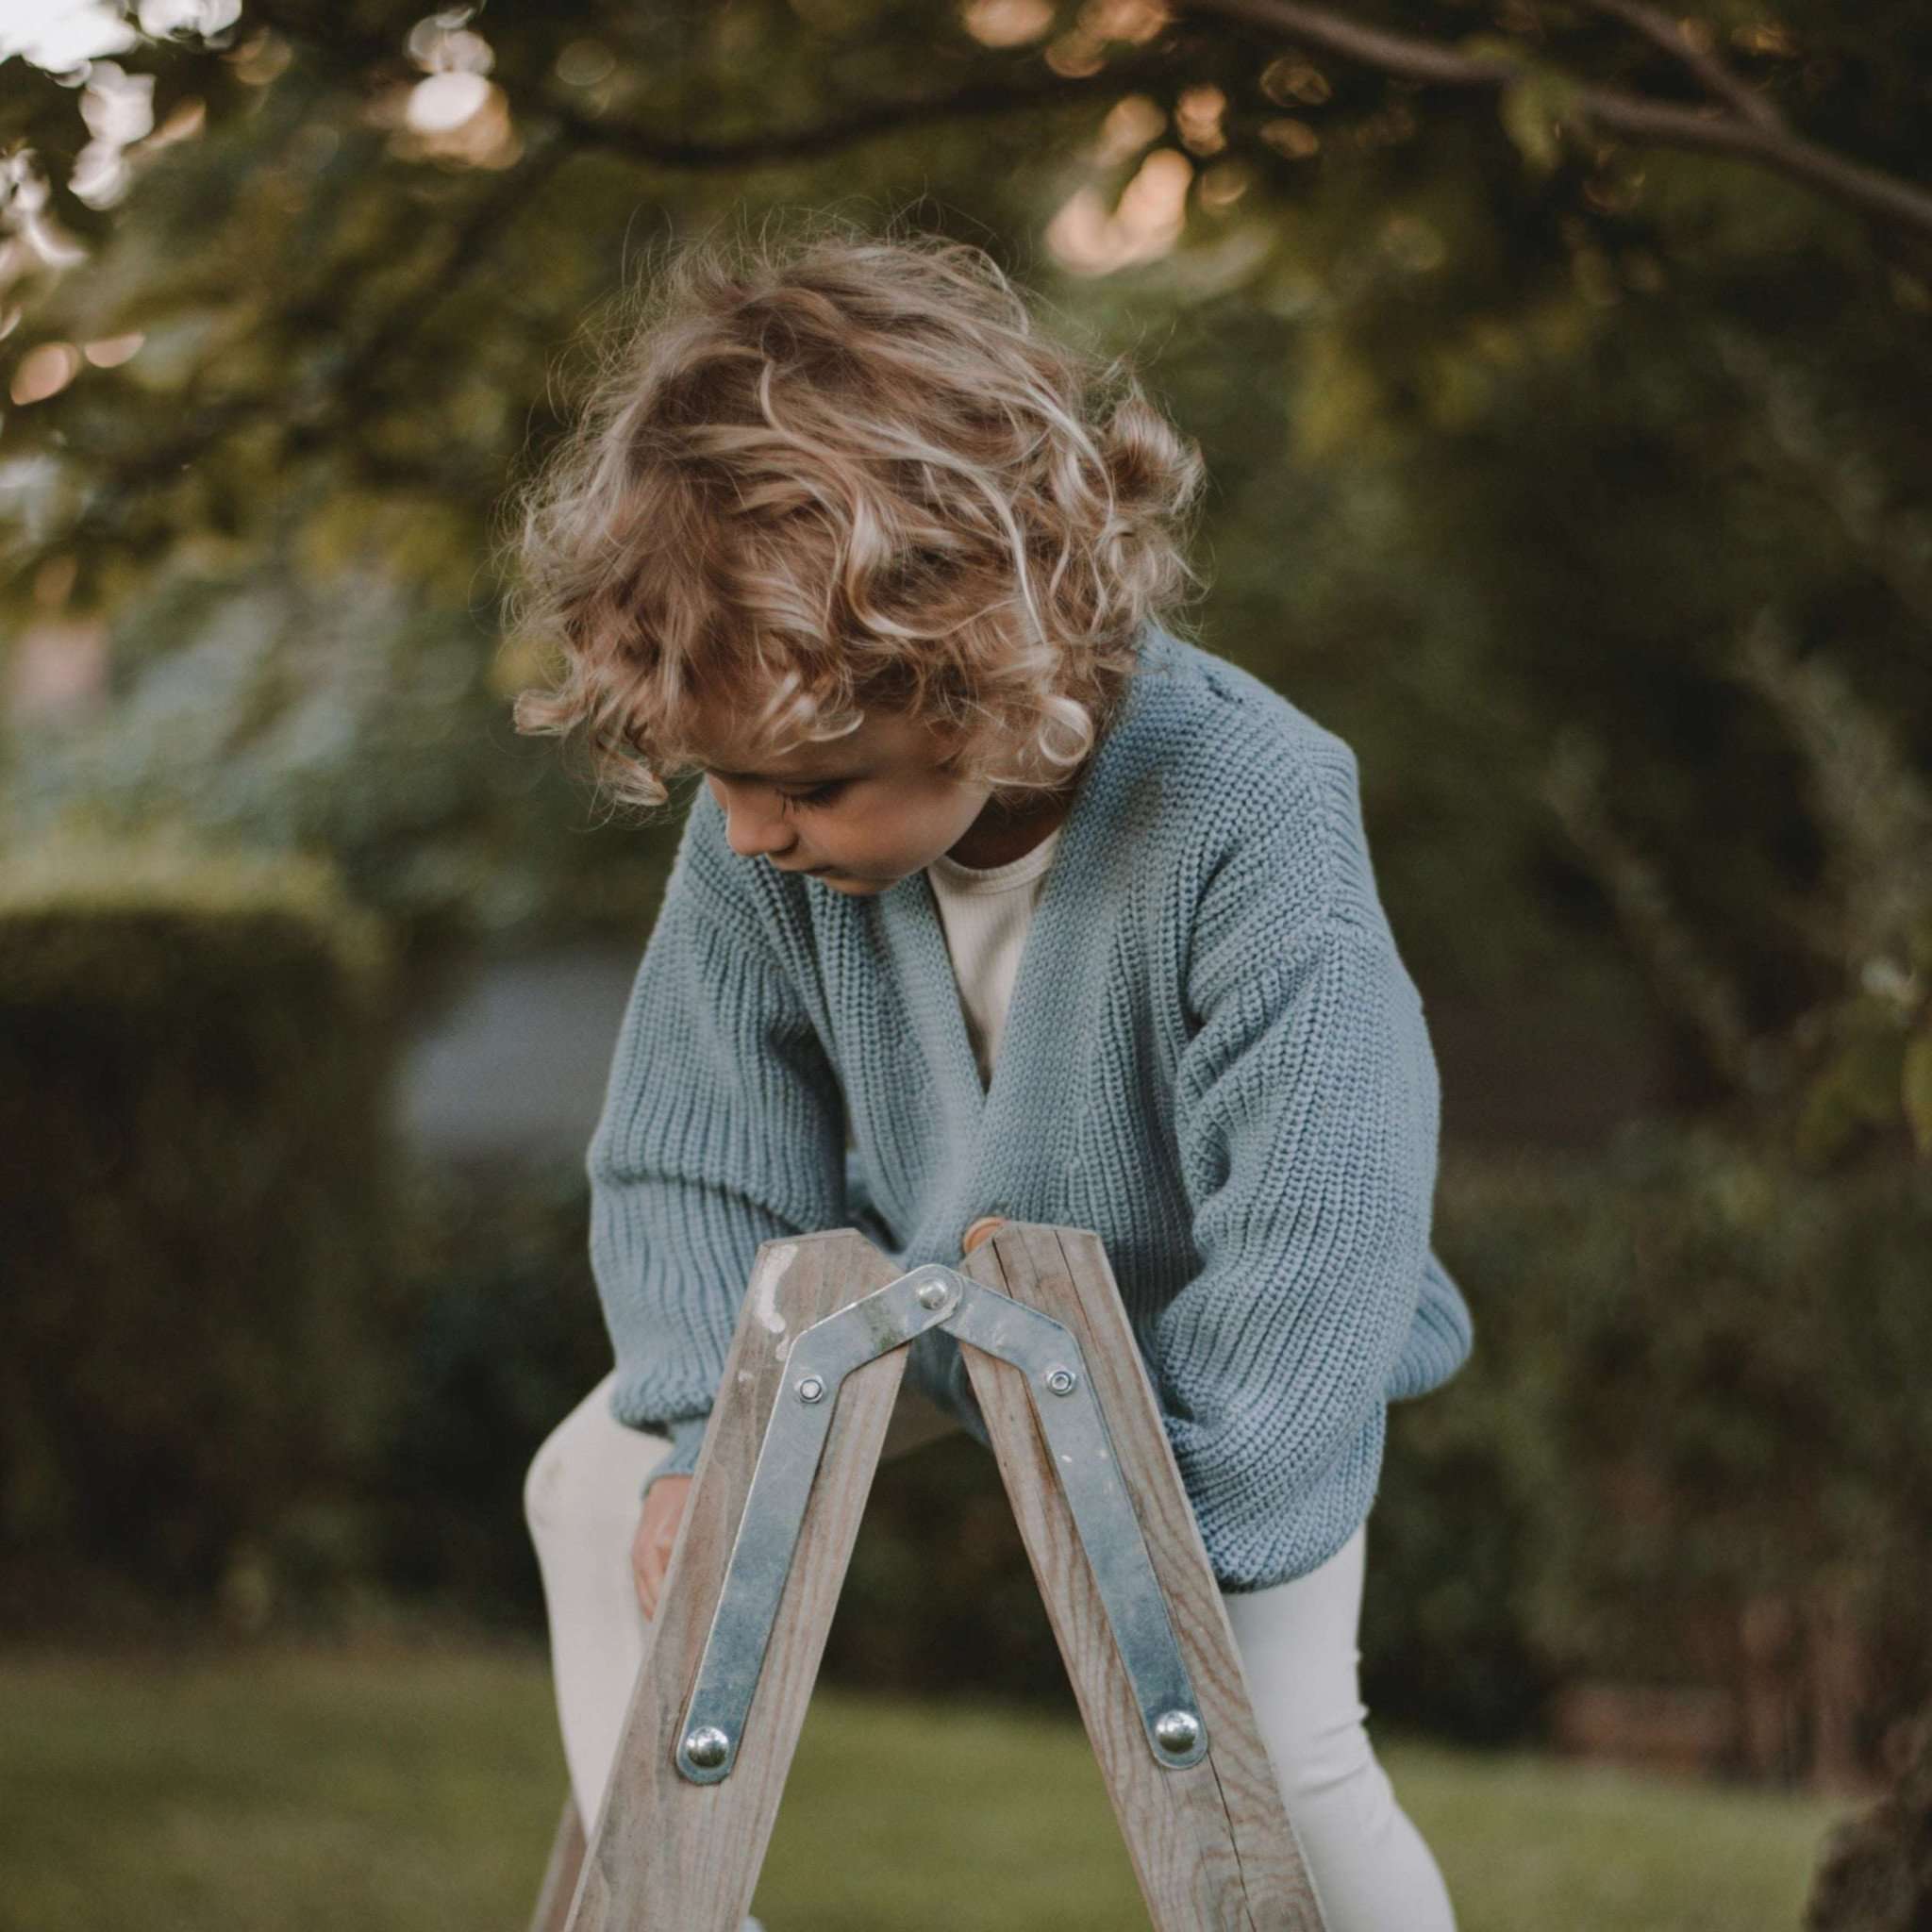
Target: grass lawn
283, 1791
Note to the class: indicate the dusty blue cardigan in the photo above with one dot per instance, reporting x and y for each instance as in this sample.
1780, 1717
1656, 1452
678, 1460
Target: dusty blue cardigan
1214, 1057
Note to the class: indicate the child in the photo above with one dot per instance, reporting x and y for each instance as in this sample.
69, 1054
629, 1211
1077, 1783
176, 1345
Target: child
1073, 921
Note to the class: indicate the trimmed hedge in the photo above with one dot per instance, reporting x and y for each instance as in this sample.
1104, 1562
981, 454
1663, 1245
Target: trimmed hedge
1693, 1393
194, 1059
240, 1365
1694, 1419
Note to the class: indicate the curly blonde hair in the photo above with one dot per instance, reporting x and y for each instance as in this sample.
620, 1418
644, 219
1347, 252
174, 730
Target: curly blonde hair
828, 469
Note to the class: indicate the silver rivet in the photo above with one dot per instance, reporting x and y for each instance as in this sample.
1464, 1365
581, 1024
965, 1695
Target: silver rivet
932, 1294
1176, 1730
707, 1747
810, 1389
1060, 1381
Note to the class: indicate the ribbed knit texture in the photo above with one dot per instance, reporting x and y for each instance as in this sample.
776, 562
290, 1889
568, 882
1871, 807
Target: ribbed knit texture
1214, 1057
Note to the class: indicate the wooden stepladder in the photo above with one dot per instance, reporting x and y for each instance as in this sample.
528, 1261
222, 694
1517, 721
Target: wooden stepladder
773, 1511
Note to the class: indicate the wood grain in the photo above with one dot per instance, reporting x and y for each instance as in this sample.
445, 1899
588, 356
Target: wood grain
666, 1854
1212, 1843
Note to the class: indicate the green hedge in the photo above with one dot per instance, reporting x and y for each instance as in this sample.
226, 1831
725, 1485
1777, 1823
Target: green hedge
1695, 1386
1698, 1388
193, 1052
504, 1338
1695, 1391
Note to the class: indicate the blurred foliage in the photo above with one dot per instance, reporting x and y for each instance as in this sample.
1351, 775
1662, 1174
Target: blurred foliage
1695, 1398
1510, 441
1695, 1401
1580, 483
502, 1339
329, 715
193, 1064
1875, 1872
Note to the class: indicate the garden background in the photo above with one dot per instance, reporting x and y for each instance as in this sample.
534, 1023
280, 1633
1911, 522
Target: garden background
1561, 374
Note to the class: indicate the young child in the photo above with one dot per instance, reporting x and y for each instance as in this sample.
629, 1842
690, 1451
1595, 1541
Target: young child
1068, 919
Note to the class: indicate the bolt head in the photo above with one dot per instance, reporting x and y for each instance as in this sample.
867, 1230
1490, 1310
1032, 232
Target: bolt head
1176, 1730
932, 1294
1060, 1380
810, 1389
707, 1747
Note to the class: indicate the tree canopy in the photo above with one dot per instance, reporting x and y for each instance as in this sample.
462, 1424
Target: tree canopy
1558, 368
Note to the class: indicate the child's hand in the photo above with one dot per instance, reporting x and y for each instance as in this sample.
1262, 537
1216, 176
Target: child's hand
650, 1549
978, 1232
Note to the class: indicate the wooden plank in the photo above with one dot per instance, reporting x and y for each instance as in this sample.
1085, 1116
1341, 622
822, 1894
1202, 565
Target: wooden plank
666, 1854
1212, 1843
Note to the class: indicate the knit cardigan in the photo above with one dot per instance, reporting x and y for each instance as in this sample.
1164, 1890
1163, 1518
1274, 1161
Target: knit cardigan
1214, 1058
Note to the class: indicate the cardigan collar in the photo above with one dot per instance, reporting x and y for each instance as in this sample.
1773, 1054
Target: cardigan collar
1032, 1074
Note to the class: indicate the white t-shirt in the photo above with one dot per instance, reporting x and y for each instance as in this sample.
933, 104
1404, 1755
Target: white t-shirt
986, 912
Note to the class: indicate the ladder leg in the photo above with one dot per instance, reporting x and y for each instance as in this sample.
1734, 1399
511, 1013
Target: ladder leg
728, 1673
1211, 1843
668, 1854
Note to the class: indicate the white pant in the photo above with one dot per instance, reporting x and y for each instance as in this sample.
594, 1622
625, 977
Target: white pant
1297, 1644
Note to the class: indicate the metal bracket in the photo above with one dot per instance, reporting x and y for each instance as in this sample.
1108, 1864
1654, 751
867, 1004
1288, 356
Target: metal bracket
935, 1297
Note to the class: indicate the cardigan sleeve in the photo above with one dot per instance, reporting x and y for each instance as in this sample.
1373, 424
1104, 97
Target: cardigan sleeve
723, 1127
1307, 1111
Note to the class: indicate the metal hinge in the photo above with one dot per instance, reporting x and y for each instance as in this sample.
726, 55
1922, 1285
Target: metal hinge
935, 1297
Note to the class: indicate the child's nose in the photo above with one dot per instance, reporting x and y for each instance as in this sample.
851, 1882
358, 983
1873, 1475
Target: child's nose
749, 832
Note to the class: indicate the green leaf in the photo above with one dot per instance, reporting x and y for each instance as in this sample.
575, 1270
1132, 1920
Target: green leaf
1534, 111
1855, 1088
1528, 126
1498, 47
1537, 105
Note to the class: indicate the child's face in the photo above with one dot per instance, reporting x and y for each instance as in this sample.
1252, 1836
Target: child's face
862, 812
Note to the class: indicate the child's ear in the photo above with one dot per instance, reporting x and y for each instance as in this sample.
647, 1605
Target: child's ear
950, 744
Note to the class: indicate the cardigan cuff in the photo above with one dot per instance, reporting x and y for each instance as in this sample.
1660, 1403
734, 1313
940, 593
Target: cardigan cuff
1440, 1339
687, 1438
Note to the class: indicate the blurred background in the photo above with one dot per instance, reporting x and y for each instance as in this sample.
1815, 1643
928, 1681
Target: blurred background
1561, 371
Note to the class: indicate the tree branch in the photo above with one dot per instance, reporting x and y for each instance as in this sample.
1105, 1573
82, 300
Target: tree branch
1657, 26
1741, 125
1606, 109
459, 253
350, 54
1572, 785
974, 100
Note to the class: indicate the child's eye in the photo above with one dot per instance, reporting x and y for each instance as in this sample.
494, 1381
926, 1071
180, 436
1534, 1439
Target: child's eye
822, 794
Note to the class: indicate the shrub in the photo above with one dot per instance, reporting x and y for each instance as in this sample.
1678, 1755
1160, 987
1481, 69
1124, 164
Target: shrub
1691, 1438
1692, 1396
503, 1337
193, 1054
